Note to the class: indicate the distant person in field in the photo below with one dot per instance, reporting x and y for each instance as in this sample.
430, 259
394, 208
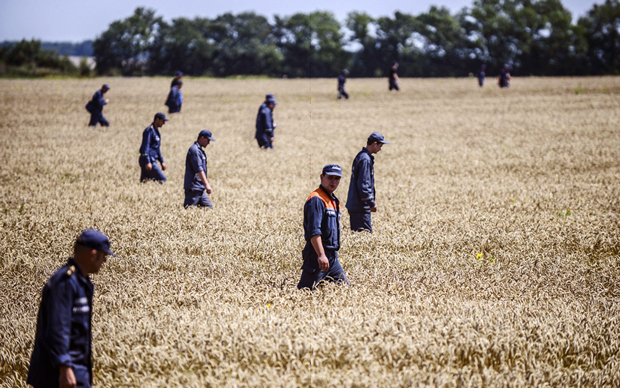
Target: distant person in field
196, 184
361, 201
150, 151
342, 79
265, 127
394, 81
95, 107
268, 97
177, 79
482, 75
63, 341
322, 232
175, 98
504, 77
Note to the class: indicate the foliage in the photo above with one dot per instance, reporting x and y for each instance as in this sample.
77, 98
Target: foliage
28, 58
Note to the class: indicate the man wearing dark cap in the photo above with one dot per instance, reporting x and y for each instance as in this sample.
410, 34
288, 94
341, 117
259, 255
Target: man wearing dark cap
175, 98
63, 342
196, 184
393, 80
268, 97
322, 232
150, 151
342, 79
482, 75
361, 199
265, 127
95, 107
503, 80
177, 79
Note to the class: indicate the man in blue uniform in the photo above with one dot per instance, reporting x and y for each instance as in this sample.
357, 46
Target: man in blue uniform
265, 127
63, 342
361, 200
95, 107
177, 79
196, 184
150, 151
175, 98
322, 232
342, 78
268, 97
394, 81
482, 75
504, 77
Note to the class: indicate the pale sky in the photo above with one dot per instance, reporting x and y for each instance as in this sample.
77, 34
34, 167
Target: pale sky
73, 20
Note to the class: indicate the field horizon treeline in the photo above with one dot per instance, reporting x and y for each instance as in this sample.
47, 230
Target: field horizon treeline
534, 37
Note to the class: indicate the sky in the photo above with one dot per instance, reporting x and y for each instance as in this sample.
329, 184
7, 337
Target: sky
78, 20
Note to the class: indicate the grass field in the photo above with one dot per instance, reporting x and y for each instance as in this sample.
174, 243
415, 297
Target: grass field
494, 262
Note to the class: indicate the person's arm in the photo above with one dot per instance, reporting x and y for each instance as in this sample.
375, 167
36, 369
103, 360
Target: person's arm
317, 244
266, 123
59, 303
196, 165
364, 184
203, 178
146, 144
102, 101
160, 157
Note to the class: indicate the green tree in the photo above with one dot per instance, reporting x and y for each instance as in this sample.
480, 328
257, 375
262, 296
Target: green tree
365, 60
600, 28
125, 45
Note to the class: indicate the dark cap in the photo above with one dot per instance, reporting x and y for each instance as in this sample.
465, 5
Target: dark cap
269, 96
271, 101
105, 86
206, 133
96, 240
345, 71
179, 73
160, 116
332, 169
377, 137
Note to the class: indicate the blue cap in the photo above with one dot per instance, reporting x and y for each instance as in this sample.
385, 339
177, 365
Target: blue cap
94, 239
377, 137
332, 169
269, 96
345, 71
271, 101
206, 133
161, 116
105, 86
179, 73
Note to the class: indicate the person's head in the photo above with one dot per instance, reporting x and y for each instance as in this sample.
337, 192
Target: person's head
271, 103
483, 66
160, 119
105, 88
330, 177
90, 251
395, 65
375, 142
205, 137
179, 84
506, 66
179, 75
345, 72
269, 97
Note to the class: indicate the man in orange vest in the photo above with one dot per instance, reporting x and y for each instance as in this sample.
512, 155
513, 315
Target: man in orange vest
322, 232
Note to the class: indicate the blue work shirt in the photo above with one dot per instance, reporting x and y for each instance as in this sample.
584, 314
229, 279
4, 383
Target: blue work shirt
63, 334
97, 102
151, 143
362, 186
322, 217
341, 80
175, 98
195, 162
503, 78
264, 122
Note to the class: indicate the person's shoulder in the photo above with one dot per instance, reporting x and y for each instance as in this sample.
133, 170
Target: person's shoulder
63, 274
315, 198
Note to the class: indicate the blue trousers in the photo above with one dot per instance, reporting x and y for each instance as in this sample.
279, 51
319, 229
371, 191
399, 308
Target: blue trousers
393, 85
197, 198
343, 93
156, 174
360, 221
264, 141
311, 276
97, 118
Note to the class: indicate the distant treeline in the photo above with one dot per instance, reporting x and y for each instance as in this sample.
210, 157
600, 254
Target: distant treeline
534, 37
32, 59
79, 49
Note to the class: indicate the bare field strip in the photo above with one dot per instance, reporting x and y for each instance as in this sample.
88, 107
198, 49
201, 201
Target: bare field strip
495, 260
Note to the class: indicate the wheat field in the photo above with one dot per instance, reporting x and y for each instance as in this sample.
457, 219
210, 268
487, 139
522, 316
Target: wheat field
494, 261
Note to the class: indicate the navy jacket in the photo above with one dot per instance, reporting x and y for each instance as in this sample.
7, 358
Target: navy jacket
151, 143
362, 186
195, 162
97, 102
174, 100
63, 334
264, 122
341, 80
322, 217
503, 78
